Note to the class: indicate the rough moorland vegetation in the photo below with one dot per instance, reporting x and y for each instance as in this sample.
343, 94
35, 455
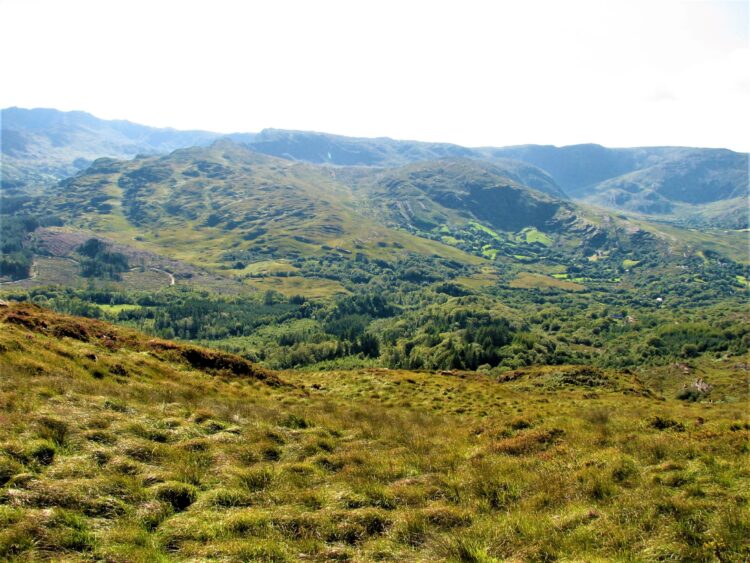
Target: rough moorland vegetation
115, 446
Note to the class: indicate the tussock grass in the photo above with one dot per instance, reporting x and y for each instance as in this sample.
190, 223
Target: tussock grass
187, 461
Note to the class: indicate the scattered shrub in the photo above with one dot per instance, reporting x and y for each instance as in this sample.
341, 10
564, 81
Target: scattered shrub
8, 468
520, 424
447, 517
294, 421
527, 442
413, 530
624, 470
597, 416
226, 498
664, 423
696, 391
499, 494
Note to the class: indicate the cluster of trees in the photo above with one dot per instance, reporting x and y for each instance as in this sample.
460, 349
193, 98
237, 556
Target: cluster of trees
405, 271
99, 262
16, 248
15, 256
668, 342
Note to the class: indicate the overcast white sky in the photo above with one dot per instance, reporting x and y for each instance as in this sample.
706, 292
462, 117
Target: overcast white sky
619, 73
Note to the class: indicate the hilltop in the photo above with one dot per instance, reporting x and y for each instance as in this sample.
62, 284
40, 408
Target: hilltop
118, 446
437, 193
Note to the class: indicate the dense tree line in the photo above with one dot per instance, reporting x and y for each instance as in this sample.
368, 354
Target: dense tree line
16, 226
395, 317
98, 261
15, 258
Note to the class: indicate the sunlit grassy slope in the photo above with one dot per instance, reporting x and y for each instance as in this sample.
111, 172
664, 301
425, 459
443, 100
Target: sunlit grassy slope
120, 448
200, 205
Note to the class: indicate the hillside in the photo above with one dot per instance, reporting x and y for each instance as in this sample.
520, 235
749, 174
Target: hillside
438, 193
120, 447
683, 188
225, 205
238, 213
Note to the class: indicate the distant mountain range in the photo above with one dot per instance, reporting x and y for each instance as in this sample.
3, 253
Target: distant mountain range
661, 181
703, 187
43, 146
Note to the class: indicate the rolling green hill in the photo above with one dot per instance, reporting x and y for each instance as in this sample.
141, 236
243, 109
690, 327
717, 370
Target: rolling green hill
228, 208
436, 193
226, 205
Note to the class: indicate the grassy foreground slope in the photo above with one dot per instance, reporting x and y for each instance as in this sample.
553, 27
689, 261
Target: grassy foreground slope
116, 447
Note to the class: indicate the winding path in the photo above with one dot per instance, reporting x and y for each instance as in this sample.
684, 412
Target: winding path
169, 274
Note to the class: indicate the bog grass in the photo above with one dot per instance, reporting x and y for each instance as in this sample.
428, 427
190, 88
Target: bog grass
114, 447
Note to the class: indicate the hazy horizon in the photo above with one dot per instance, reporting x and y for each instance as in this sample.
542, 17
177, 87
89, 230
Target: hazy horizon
619, 74
334, 133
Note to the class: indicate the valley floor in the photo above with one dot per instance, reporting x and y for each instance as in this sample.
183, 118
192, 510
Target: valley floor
117, 447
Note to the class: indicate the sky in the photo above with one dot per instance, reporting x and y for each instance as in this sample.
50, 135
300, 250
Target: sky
476, 73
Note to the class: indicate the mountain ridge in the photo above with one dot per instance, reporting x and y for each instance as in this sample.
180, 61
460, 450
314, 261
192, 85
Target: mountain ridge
37, 154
